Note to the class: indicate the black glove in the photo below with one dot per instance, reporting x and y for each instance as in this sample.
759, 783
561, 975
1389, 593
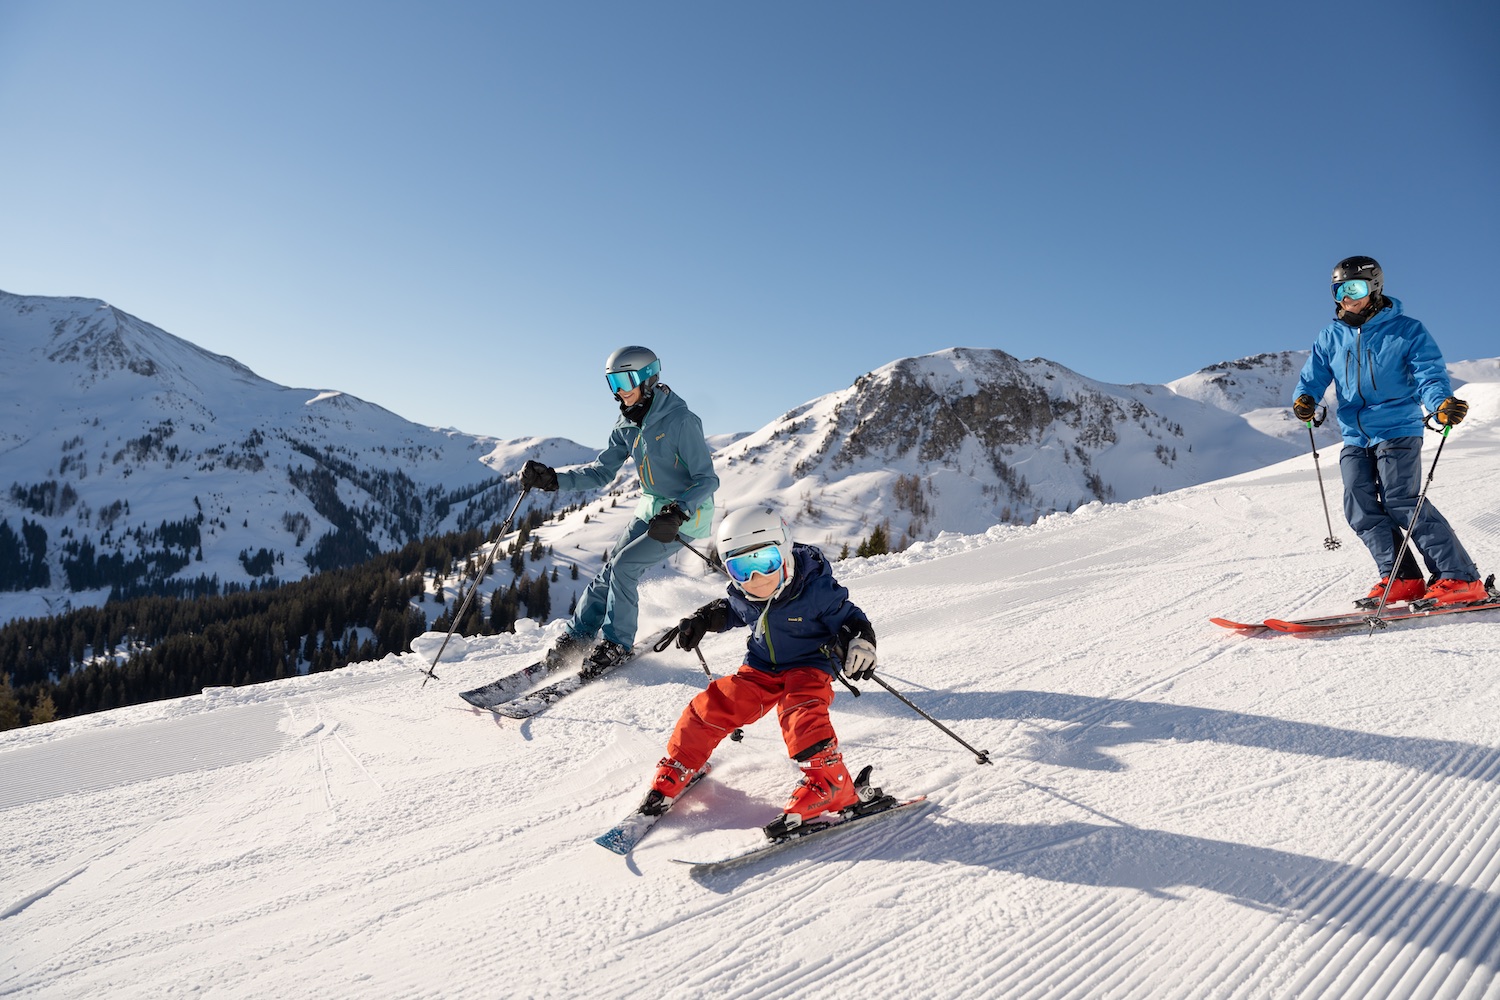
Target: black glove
1304, 407
1451, 411
711, 617
535, 475
663, 526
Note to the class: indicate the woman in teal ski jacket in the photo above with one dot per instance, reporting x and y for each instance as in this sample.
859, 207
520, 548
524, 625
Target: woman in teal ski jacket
671, 457
678, 481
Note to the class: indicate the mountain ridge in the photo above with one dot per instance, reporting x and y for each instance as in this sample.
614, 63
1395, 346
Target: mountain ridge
124, 435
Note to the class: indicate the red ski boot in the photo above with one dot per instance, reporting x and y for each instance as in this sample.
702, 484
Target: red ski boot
672, 776
1402, 590
1445, 592
825, 787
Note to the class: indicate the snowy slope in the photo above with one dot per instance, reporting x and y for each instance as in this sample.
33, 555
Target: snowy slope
1174, 810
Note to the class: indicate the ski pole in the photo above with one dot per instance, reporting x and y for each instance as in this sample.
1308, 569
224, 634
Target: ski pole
666, 640
689, 546
1330, 543
980, 756
1374, 620
489, 561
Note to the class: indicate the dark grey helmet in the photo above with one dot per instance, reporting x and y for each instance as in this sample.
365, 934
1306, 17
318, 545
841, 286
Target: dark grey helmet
1366, 268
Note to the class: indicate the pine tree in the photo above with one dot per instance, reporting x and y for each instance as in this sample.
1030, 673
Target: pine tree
878, 544
10, 705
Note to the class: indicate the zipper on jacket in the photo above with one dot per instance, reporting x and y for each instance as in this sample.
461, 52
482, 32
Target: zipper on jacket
1359, 378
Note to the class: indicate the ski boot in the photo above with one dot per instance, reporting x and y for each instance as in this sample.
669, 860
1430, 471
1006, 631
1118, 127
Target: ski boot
1447, 593
1402, 590
605, 655
825, 787
566, 649
672, 776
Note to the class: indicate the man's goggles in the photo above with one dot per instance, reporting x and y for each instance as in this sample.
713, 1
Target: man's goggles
1356, 288
764, 560
625, 381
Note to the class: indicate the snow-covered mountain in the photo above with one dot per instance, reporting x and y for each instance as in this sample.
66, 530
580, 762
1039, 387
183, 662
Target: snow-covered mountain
130, 456
966, 438
1174, 811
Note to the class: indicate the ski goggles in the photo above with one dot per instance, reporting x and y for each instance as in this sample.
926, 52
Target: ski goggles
625, 381
764, 560
1355, 288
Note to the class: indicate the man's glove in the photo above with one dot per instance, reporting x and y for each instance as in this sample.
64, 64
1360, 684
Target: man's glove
859, 659
1304, 407
709, 618
535, 475
1451, 411
664, 526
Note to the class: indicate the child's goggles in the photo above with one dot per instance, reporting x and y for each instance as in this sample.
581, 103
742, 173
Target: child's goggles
1356, 288
625, 381
764, 560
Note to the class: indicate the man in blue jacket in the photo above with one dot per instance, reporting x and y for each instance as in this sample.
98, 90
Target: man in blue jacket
1385, 366
676, 470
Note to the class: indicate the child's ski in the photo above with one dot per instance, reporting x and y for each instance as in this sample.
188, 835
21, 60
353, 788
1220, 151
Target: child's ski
624, 835
886, 806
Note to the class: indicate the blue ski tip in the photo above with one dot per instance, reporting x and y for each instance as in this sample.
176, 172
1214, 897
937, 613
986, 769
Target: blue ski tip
616, 841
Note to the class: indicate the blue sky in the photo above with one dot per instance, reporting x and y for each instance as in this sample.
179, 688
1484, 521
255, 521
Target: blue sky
457, 210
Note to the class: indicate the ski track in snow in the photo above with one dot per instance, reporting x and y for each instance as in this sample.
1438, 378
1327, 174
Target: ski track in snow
1174, 810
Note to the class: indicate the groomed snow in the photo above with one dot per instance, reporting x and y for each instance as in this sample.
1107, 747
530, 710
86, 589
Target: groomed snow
1174, 810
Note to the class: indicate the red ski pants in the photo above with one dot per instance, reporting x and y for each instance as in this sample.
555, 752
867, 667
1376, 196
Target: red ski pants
801, 696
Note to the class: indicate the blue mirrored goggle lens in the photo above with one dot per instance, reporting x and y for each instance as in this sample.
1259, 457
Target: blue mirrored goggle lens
766, 560
623, 381
1357, 288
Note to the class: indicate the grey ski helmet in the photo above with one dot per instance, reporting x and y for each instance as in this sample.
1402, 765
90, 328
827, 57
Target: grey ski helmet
630, 367
1364, 268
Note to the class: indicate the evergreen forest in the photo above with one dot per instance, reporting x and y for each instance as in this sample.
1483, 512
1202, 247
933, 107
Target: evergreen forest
149, 648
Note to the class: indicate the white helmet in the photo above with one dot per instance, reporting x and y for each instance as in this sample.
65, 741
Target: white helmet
760, 531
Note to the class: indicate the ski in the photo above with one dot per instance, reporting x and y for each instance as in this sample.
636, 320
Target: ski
542, 698
507, 687
1314, 625
1392, 613
884, 806
624, 835
1329, 619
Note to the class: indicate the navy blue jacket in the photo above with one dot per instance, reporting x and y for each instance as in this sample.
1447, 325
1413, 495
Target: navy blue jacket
803, 626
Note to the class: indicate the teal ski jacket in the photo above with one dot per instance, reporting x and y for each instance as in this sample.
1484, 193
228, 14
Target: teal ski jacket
671, 457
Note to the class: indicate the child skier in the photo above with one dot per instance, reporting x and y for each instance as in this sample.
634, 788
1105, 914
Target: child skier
805, 628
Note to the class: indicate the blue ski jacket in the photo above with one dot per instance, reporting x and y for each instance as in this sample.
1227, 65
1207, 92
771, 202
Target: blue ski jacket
800, 626
1384, 372
671, 456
